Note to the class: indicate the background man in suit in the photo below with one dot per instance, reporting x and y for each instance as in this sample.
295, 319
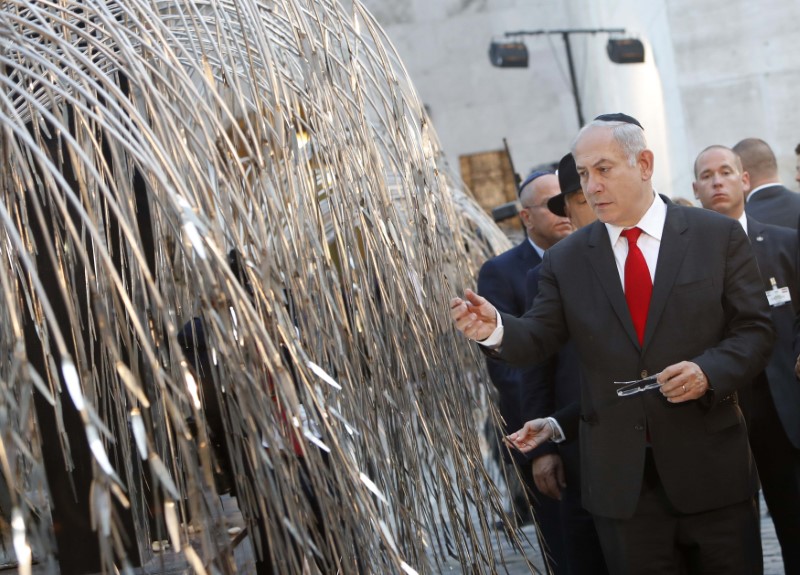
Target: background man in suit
797, 164
768, 200
666, 473
772, 404
503, 279
553, 386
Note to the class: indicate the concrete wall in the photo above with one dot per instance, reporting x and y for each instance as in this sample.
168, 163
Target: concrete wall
716, 71
738, 71
445, 44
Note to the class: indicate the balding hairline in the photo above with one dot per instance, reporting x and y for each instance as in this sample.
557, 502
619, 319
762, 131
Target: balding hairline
629, 137
736, 157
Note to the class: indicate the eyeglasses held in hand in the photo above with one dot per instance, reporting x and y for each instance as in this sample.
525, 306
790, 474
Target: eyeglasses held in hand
637, 386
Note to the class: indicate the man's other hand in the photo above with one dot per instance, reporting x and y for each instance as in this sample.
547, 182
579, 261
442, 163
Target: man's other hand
548, 474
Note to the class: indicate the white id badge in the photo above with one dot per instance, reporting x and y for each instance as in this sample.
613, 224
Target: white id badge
778, 296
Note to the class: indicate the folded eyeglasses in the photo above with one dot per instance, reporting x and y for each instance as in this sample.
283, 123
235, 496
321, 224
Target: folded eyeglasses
637, 386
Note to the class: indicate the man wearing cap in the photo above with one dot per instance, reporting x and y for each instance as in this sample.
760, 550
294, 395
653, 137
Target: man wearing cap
771, 405
571, 202
672, 296
554, 386
503, 278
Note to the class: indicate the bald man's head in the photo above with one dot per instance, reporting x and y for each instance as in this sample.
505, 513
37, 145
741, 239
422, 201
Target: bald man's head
759, 161
541, 225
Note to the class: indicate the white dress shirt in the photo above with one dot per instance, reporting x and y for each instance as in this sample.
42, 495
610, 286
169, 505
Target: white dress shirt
652, 226
743, 221
537, 249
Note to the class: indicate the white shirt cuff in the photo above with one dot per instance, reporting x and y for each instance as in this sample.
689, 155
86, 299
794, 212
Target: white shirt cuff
496, 338
558, 433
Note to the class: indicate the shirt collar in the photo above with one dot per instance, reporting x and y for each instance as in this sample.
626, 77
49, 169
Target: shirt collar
652, 222
743, 221
538, 250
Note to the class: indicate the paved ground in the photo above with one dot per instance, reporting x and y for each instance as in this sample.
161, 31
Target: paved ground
773, 563
509, 561
515, 562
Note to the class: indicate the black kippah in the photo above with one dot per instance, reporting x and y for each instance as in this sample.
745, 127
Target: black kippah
619, 117
532, 176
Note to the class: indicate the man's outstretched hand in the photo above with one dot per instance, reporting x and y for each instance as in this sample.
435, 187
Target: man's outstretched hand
532, 435
474, 316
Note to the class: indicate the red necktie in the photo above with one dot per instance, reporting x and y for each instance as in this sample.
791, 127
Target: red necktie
638, 285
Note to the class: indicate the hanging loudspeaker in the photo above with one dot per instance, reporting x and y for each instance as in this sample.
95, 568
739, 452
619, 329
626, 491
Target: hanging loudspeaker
508, 54
626, 51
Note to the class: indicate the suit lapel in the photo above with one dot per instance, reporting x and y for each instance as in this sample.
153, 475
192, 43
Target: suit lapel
755, 233
602, 259
674, 243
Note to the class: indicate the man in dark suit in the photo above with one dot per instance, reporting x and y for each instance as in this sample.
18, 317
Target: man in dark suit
768, 200
552, 386
797, 164
772, 404
657, 289
503, 278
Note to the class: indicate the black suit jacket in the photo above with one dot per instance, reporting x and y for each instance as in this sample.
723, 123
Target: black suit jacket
708, 307
554, 385
776, 250
776, 205
502, 280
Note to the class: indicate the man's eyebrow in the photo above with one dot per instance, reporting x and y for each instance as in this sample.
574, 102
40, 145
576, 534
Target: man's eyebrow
601, 161
597, 162
722, 167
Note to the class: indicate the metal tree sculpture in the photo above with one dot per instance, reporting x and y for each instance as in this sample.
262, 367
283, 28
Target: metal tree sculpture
142, 142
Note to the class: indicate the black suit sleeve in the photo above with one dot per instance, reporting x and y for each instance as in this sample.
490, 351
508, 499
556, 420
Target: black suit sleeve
542, 330
537, 390
537, 398
749, 335
493, 284
568, 417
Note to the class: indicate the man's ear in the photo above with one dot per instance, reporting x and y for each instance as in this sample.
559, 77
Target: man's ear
524, 215
645, 163
746, 182
694, 187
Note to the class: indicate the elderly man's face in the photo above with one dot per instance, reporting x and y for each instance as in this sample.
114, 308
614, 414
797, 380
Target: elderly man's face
617, 192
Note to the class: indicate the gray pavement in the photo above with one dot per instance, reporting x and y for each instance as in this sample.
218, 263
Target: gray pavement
508, 559
515, 563
773, 562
